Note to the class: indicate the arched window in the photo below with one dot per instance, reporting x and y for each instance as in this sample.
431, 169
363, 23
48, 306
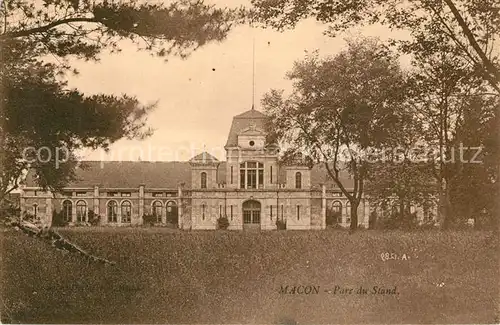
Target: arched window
251, 175
67, 210
251, 212
157, 210
112, 211
81, 211
337, 207
337, 211
126, 212
203, 180
298, 180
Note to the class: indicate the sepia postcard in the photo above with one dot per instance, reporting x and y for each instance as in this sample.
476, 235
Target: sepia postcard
249, 161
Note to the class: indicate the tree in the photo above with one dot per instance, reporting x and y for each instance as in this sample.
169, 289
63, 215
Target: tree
471, 25
85, 28
444, 90
43, 122
474, 188
403, 177
403, 184
340, 107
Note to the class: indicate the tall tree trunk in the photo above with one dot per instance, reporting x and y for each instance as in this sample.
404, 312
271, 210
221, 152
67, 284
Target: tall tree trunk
449, 217
354, 214
402, 209
441, 218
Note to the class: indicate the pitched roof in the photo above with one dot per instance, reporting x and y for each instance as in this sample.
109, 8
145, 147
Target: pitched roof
319, 175
132, 174
203, 157
242, 122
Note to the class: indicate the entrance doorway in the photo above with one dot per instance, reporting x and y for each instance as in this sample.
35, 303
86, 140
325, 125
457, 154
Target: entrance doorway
251, 214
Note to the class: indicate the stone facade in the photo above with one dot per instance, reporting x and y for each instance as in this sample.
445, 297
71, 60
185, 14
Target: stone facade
251, 189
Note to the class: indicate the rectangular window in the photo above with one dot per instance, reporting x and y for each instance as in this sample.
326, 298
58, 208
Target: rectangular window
271, 174
282, 208
242, 178
67, 194
231, 175
231, 208
112, 193
298, 212
252, 178
203, 211
261, 178
220, 211
126, 194
158, 194
271, 211
81, 193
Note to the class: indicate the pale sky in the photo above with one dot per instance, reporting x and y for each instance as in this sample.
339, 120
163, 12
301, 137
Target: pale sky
198, 96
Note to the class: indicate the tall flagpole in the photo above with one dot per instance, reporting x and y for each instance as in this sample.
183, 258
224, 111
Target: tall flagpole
253, 74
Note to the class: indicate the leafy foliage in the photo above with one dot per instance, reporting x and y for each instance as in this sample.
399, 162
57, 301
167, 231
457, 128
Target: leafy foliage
455, 70
332, 218
149, 219
84, 28
341, 108
93, 218
222, 223
466, 27
39, 111
280, 224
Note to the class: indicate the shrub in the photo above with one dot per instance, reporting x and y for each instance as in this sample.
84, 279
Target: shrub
9, 214
93, 218
396, 221
149, 219
332, 219
57, 219
372, 222
280, 224
172, 218
222, 223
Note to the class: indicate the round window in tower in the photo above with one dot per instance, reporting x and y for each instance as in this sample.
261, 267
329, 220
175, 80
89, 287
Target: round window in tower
251, 143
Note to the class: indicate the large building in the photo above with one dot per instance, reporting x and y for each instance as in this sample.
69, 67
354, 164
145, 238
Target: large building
251, 188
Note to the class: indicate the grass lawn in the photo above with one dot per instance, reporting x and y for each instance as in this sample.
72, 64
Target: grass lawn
169, 276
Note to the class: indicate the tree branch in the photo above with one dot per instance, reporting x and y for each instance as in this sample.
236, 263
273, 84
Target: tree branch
492, 71
45, 28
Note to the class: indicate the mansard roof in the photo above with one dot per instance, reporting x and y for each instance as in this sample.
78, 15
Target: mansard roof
244, 121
